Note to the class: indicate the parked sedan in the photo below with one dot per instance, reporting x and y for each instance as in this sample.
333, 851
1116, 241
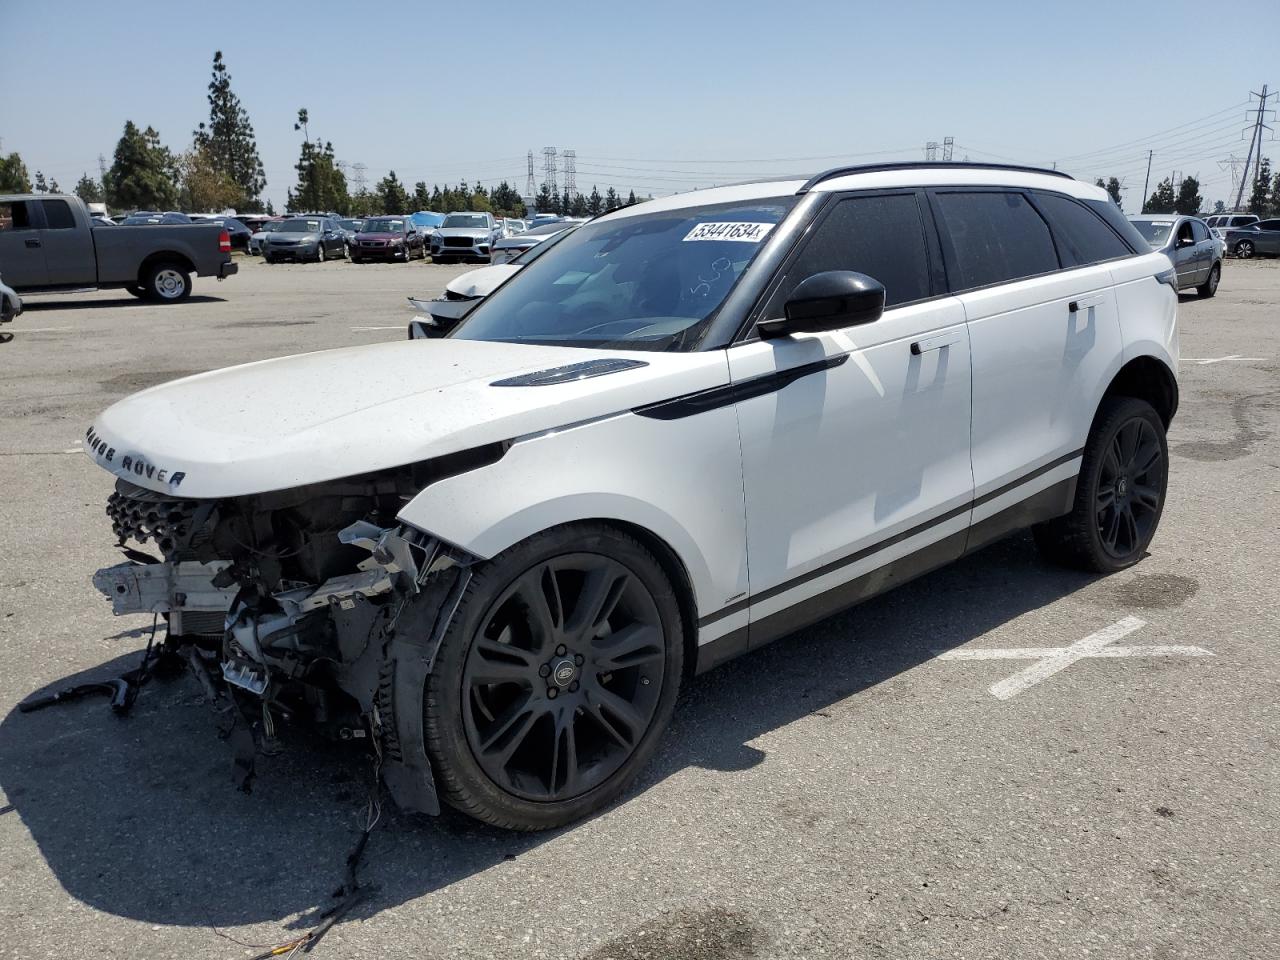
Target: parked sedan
464, 236
1260, 237
237, 231
1196, 253
388, 238
304, 238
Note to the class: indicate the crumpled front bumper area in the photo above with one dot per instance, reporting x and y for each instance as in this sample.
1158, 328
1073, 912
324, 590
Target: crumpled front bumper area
348, 655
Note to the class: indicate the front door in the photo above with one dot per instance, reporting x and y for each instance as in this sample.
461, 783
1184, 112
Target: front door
855, 453
1185, 256
22, 263
68, 248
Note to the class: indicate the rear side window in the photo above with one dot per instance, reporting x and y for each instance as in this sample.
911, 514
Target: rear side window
1199, 231
883, 237
15, 216
1082, 237
995, 238
57, 215
1109, 212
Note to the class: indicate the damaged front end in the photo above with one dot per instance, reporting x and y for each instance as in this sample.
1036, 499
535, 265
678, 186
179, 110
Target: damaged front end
311, 604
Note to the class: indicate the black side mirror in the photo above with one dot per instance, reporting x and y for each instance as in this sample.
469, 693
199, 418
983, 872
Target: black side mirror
828, 301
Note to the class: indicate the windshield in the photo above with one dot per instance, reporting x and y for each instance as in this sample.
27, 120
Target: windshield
383, 226
300, 226
530, 254
427, 219
349, 224
471, 220
647, 282
271, 226
1155, 232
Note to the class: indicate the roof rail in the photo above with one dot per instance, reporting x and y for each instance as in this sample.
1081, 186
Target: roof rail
920, 165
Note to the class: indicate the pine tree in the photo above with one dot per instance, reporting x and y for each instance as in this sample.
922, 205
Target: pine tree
611, 201
1258, 199
322, 186
595, 203
566, 204
41, 185
142, 176
437, 199
631, 197
1274, 204
1162, 200
88, 189
395, 199
579, 207
546, 202
229, 139
421, 196
1189, 199
13, 175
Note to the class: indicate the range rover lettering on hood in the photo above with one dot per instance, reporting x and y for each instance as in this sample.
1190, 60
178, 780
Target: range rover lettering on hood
130, 463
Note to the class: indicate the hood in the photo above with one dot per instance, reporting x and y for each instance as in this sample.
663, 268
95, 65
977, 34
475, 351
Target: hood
291, 421
472, 232
481, 282
280, 236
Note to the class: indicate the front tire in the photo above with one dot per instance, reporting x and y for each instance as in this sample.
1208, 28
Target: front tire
1120, 492
1210, 285
555, 680
167, 283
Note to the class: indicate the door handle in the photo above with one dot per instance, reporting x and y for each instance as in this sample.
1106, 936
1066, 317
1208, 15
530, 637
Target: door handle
1084, 303
935, 343
33, 242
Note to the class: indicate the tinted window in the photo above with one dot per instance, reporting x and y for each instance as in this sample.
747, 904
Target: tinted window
882, 237
1269, 224
995, 237
1109, 212
1082, 237
1242, 221
15, 216
1199, 231
57, 215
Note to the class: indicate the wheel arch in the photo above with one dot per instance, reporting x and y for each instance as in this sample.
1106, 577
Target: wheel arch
165, 256
1148, 378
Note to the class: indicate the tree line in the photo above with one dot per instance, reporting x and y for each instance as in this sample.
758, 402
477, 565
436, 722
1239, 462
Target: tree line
221, 169
1184, 197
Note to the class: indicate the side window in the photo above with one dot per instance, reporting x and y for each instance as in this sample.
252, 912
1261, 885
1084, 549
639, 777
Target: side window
15, 215
1184, 232
1269, 224
1199, 231
883, 237
995, 237
57, 215
1082, 237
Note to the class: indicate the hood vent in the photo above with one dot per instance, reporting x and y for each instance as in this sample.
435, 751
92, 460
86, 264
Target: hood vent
574, 371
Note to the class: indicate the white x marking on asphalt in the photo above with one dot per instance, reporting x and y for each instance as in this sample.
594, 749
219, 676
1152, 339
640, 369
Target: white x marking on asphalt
1051, 660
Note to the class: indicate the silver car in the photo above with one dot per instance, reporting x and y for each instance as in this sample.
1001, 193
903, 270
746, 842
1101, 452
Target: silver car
1196, 253
465, 236
304, 238
1260, 237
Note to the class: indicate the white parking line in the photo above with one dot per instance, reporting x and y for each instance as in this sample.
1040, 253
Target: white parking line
1204, 361
1052, 660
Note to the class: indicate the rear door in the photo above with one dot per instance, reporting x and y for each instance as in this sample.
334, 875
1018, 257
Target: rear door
22, 262
855, 449
68, 246
1186, 259
1269, 237
1044, 334
1204, 250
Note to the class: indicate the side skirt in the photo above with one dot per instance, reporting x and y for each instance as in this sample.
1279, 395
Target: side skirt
1051, 502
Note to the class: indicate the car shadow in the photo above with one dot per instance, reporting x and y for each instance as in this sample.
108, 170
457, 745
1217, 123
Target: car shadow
124, 300
137, 816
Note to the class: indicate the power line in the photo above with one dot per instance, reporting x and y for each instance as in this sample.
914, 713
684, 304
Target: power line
1258, 126
1149, 137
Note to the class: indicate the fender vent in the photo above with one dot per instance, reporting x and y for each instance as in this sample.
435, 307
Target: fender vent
574, 371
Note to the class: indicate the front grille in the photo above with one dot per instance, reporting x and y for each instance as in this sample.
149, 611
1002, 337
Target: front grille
457, 241
373, 243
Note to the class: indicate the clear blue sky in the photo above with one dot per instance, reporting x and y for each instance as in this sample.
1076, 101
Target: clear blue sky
656, 96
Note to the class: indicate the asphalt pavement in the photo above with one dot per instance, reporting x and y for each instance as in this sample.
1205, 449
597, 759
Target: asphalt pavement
1003, 759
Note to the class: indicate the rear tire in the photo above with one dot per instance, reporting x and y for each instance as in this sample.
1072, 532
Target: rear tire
1120, 492
1210, 286
1244, 249
167, 283
555, 679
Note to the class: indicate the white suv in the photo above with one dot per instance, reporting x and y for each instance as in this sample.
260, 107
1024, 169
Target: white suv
693, 426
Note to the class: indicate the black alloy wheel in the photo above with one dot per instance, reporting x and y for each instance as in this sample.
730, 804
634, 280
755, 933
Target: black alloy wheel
1244, 249
563, 678
1130, 489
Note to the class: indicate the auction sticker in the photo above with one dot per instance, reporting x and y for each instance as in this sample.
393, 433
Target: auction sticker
741, 232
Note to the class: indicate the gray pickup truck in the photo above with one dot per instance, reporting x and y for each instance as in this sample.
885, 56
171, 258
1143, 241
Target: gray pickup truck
49, 243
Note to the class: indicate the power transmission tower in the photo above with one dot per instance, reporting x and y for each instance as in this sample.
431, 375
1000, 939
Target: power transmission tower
530, 186
1146, 184
947, 144
931, 150
1233, 164
358, 177
549, 169
570, 173
1255, 141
